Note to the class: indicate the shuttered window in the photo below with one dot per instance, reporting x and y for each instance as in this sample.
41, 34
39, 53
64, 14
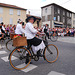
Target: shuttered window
1, 19
18, 12
1, 10
43, 18
11, 21
11, 11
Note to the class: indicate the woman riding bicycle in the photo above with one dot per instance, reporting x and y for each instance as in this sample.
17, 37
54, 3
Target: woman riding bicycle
30, 33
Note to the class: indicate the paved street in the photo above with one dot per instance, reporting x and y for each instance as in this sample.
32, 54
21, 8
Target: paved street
67, 39
65, 65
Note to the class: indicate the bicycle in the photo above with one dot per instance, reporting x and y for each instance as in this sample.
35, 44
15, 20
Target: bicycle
53, 37
50, 54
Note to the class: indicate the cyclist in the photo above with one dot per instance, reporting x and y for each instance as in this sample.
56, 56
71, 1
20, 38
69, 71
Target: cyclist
45, 29
1, 32
30, 33
3, 27
19, 29
1, 35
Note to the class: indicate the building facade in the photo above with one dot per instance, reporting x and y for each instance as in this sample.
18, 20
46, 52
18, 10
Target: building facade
56, 16
9, 14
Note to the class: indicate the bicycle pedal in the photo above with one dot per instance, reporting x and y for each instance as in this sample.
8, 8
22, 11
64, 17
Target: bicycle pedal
36, 58
51, 53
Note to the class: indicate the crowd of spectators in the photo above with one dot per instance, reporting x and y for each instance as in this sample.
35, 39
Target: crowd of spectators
59, 31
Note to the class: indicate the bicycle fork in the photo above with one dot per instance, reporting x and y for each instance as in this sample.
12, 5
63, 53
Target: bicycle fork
49, 50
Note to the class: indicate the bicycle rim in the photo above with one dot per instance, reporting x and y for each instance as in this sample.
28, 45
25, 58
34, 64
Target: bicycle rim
17, 59
54, 38
51, 53
9, 45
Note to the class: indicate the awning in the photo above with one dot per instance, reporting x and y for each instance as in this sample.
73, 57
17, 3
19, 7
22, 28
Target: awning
58, 25
58, 22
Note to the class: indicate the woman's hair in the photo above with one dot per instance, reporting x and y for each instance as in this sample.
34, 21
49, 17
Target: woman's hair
2, 23
22, 23
0, 26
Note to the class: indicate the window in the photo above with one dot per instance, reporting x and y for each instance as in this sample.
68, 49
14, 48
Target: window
67, 14
1, 19
63, 12
18, 12
68, 21
63, 19
70, 14
11, 21
73, 15
11, 11
1, 10
46, 10
45, 18
58, 11
74, 22
58, 18
49, 17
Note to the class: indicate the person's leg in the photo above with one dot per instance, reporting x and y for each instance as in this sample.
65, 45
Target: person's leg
27, 55
47, 34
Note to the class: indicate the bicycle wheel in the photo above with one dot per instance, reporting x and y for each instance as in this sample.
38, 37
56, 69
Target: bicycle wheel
17, 59
9, 45
54, 37
51, 53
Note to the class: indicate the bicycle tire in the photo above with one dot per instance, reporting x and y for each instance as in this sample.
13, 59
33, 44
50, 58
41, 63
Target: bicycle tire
53, 38
7, 47
11, 61
49, 59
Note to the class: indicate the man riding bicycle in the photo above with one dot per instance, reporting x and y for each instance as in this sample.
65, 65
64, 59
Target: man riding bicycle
30, 33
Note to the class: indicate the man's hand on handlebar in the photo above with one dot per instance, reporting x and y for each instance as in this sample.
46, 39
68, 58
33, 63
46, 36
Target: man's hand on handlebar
38, 33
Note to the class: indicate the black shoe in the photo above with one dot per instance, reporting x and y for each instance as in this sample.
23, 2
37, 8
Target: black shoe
27, 60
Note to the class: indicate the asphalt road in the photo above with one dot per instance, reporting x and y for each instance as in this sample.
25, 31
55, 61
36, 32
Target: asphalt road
65, 65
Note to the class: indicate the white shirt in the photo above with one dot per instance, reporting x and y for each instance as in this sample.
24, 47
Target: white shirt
3, 28
0, 31
19, 29
44, 28
30, 31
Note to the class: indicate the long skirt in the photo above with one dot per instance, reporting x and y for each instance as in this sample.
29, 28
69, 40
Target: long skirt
36, 44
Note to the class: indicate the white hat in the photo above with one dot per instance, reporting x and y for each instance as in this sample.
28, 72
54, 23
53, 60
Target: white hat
19, 20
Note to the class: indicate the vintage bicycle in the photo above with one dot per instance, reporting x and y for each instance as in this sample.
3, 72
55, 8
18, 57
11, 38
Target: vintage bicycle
17, 58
